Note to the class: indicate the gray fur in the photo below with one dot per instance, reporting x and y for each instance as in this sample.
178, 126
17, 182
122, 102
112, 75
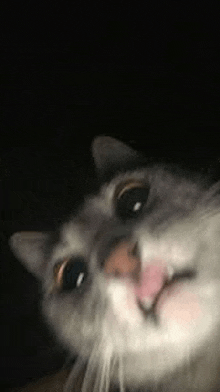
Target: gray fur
181, 219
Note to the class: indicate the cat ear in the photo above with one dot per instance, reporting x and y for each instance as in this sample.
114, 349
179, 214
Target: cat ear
29, 248
110, 154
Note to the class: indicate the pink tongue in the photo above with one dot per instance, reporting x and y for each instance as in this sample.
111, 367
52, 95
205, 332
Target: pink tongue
152, 280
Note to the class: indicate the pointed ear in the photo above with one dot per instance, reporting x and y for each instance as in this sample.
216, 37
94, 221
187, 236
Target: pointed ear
29, 248
110, 154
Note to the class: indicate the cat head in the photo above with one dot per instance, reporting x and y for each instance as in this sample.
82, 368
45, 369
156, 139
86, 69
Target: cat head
132, 280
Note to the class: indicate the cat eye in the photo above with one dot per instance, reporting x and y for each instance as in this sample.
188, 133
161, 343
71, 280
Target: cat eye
71, 273
130, 199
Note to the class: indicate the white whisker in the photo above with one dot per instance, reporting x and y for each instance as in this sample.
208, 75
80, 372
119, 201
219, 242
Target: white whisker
98, 385
107, 374
78, 366
107, 379
90, 371
103, 377
98, 376
100, 379
103, 374
121, 374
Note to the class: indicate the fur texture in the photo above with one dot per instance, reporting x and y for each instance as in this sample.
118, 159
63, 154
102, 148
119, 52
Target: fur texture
164, 341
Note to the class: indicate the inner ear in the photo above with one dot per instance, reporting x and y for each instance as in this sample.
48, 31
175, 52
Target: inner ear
29, 248
110, 154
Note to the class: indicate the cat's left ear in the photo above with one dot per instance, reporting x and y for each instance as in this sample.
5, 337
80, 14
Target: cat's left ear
29, 248
111, 155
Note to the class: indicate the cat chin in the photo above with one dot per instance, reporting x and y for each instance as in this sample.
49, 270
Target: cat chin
151, 352
149, 368
189, 373
147, 351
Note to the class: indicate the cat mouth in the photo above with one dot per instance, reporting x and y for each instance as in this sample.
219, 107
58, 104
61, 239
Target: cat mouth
149, 306
151, 282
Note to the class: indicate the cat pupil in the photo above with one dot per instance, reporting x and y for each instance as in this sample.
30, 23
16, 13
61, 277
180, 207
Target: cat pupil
74, 274
131, 203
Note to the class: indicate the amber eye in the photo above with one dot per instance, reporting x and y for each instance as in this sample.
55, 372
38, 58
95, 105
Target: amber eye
131, 199
71, 273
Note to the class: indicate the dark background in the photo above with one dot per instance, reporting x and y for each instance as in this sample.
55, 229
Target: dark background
147, 73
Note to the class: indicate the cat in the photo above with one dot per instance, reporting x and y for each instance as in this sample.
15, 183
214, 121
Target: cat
131, 282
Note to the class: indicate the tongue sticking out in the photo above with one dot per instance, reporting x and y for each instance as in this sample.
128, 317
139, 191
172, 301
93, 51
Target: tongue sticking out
175, 303
152, 280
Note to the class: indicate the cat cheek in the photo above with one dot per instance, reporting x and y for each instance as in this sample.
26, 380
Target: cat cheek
180, 306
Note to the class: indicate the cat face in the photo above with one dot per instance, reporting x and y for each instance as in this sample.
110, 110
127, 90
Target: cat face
132, 281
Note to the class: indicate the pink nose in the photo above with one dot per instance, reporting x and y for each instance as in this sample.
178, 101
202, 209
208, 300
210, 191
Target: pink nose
122, 262
148, 280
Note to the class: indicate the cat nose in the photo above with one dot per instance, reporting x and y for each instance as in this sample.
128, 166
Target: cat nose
123, 261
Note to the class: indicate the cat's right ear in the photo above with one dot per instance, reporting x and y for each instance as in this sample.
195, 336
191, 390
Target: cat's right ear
29, 248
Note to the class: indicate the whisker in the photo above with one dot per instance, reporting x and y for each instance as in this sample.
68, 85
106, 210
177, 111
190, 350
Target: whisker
103, 375
107, 374
100, 379
78, 367
97, 379
121, 373
90, 371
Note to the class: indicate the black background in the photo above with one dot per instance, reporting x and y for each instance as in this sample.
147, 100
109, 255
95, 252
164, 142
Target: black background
146, 73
